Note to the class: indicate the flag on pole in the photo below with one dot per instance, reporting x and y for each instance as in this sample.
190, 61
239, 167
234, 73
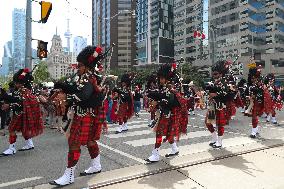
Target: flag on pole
199, 35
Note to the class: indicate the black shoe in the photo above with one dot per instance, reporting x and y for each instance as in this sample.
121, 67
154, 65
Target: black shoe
2, 155
275, 123
170, 155
58, 185
26, 149
252, 136
212, 144
86, 174
148, 161
54, 183
117, 132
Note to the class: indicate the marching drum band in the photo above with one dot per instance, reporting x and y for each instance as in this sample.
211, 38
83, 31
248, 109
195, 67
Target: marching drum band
81, 101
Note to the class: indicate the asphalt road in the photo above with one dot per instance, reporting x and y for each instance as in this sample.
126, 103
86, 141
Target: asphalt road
48, 160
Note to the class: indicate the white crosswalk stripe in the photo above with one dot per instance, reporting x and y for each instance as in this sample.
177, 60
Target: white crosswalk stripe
129, 134
149, 141
200, 147
140, 135
139, 125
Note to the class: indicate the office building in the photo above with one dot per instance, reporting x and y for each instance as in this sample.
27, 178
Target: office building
18, 38
79, 43
248, 28
113, 21
155, 31
191, 16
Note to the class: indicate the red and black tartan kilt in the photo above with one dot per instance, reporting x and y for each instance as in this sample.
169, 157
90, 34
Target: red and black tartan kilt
16, 123
230, 109
99, 120
190, 103
239, 102
123, 112
183, 117
82, 130
268, 102
169, 127
221, 118
277, 105
258, 109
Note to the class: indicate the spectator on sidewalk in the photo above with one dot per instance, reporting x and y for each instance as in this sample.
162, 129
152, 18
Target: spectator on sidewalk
108, 106
137, 100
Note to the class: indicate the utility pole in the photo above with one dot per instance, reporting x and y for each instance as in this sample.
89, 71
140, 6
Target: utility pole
213, 40
28, 53
127, 41
149, 51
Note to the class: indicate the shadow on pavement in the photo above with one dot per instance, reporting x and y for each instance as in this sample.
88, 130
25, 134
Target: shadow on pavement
166, 180
239, 162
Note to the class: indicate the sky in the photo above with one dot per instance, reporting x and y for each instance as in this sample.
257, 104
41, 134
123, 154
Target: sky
80, 25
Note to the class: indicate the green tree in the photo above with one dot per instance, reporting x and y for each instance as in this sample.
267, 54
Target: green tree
41, 73
194, 73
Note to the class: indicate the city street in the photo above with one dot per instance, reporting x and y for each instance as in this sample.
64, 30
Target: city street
48, 160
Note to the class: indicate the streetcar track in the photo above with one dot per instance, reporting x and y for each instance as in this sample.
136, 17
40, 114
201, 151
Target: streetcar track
176, 168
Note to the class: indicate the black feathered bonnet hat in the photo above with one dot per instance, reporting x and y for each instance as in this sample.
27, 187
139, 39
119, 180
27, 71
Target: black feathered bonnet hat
23, 76
127, 79
90, 56
221, 67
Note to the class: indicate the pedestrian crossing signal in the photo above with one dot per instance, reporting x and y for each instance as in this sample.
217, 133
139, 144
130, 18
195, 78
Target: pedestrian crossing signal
46, 8
42, 49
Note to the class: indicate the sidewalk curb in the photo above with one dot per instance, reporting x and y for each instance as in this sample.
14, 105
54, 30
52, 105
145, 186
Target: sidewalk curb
192, 160
126, 174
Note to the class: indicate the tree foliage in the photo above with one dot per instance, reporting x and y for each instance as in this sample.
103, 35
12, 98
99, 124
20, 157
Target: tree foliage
197, 74
41, 73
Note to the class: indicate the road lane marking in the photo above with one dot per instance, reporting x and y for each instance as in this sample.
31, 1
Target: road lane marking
19, 181
122, 153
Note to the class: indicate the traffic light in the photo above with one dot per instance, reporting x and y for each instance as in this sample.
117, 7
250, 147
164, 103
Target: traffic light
42, 49
46, 8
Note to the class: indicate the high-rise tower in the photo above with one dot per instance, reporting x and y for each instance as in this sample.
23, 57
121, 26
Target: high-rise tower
68, 35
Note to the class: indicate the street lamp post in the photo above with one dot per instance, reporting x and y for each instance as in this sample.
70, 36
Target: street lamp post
127, 43
212, 30
28, 50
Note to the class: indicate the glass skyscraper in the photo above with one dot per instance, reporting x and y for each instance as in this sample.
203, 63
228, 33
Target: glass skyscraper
190, 16
248, 28
18, 39
155, 32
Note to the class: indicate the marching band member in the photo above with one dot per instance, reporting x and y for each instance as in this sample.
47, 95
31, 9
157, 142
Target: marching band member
241, 86
216, 117
190, 94
86, 125
168, 122
256, 97
151, 86
27, 117
230, 80
125, 103
272, 99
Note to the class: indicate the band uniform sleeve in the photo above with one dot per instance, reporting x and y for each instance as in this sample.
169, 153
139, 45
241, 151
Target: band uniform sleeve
11, 99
